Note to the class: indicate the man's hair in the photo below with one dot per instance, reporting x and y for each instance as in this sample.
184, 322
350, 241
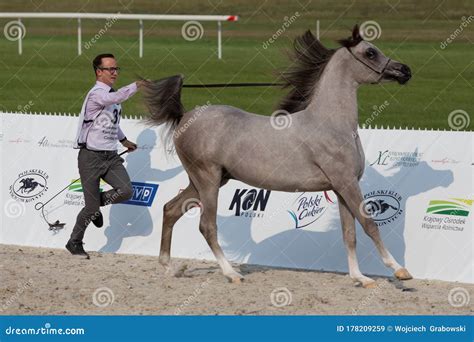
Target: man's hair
97, 62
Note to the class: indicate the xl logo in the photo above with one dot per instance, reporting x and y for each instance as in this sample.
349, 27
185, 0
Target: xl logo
398, 158
382, 159
247, 202
143, 194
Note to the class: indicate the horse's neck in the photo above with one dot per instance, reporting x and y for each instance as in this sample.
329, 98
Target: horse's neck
334, 101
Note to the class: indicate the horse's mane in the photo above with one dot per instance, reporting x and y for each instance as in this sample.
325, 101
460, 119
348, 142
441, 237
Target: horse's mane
310, 58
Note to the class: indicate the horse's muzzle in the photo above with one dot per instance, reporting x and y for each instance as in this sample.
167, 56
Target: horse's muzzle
405, 70
398, 72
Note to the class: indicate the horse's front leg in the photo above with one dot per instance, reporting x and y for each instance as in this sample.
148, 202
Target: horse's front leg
349, 235
349, 190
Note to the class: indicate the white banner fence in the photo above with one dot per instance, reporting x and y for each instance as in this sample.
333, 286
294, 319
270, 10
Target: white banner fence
421, 180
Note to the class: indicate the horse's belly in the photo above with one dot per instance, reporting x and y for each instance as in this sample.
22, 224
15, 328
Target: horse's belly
283, 177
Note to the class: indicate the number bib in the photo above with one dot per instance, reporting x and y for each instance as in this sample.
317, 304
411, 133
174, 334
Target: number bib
103, 135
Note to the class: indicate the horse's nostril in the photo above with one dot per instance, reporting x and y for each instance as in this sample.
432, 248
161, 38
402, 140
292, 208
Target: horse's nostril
406, 70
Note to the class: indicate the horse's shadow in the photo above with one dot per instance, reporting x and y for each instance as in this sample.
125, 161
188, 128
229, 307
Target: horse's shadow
131, 220
325, 250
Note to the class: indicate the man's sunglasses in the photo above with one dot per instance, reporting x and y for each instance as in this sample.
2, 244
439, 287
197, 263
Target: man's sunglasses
111, 69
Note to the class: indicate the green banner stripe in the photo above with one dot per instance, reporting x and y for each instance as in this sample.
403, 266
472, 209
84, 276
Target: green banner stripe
435, 202
439, 207
452, 212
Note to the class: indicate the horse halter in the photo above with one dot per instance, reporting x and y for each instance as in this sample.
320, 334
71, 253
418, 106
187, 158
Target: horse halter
379, 72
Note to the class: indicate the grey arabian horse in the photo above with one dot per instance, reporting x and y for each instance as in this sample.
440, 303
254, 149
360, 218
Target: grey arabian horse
320, 150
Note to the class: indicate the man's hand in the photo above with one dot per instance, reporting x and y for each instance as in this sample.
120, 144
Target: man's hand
142, 83
131, 146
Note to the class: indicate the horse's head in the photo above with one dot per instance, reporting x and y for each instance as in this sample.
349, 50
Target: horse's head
358, 59
370, 65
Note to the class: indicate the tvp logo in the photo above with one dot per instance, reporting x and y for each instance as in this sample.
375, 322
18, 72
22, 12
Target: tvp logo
143, 194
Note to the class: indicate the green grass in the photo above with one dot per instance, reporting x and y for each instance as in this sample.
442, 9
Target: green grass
52, 78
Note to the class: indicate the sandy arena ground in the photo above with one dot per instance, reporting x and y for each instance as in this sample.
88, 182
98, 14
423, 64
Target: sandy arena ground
50, 281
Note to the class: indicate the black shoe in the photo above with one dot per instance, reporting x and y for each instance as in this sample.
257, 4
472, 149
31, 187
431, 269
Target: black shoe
76, 249
98, 220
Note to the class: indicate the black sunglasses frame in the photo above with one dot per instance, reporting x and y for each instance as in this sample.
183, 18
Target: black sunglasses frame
110, 69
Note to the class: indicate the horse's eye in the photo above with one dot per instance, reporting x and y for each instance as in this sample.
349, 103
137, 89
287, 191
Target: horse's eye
371, 53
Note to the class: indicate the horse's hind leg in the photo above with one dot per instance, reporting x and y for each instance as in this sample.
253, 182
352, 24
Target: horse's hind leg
172, 211
349, 236
350, 192
208, 183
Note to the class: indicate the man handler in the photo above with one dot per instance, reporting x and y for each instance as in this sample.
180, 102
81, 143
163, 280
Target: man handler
97, 137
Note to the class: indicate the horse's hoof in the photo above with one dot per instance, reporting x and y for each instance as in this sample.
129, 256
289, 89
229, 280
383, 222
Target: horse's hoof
403, 274
180, 272
235, 278
369, 285
164, 260
167, 267
168, 270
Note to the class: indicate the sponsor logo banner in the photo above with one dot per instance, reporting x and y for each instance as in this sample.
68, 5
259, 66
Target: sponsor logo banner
62, 143
385, 206
29, 186
454, 207
143, 194
75, 196
249, 203
397, 158
445, 160
308, 208
447, 215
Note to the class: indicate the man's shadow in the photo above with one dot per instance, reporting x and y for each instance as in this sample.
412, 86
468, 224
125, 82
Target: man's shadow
325, 250
127, 220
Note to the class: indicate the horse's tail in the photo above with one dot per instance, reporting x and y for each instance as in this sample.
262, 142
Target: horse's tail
163, 99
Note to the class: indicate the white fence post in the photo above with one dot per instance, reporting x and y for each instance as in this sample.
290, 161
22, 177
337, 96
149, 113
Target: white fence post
140, 38
79, 37
317, 29
219, 40
20, 37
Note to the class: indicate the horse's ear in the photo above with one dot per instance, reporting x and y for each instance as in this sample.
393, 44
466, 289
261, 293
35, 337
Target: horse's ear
353, 40
356, 34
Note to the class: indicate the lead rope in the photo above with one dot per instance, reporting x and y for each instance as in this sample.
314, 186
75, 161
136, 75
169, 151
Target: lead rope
233, 85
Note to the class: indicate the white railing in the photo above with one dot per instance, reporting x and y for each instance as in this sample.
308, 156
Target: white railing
117, 16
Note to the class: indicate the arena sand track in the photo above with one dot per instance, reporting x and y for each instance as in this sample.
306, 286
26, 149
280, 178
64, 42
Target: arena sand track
50, 281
